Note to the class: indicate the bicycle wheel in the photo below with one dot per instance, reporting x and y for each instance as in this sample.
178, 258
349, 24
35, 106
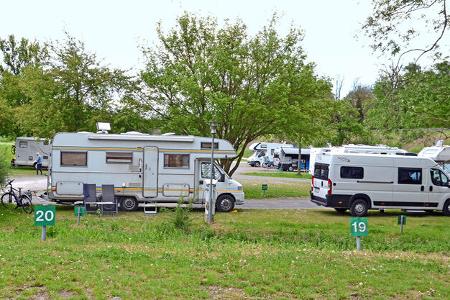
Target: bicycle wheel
8, 198
26, 204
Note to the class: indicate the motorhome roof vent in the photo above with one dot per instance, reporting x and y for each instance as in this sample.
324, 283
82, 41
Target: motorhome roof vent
439, 143
84, 132
168, 133
103, 127
133, 132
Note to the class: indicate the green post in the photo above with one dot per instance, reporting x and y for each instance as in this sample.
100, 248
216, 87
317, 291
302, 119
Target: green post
359, 227
264, 188
44, 215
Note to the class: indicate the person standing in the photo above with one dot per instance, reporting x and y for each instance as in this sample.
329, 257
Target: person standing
38, 162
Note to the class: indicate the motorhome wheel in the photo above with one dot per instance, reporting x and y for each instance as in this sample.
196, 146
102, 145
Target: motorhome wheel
129, 204
446, 209
225, 203
359, 208
257, 164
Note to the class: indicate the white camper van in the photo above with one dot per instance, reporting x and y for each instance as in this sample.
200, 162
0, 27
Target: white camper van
143, 168
360, 182
26, 148
263, 153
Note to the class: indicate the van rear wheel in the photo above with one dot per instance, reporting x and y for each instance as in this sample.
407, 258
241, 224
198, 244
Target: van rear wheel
446, 209
359, 208
129, 204
257, 164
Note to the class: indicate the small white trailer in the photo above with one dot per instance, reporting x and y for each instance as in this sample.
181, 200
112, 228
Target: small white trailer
143, 168
26, 148
263, 153
287, 158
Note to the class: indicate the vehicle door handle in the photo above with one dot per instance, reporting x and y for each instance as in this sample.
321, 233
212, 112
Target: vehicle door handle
422, 188
431, 188
201, 182
321, 184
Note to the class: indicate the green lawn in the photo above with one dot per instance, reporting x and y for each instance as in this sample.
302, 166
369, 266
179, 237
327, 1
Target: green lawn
246, 254
280, 174
253, 190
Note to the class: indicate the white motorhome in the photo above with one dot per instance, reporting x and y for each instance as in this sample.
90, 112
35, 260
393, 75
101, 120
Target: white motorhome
263, 153
440, 153
143, 168
288, 158
360, 182
351, 148
26, 148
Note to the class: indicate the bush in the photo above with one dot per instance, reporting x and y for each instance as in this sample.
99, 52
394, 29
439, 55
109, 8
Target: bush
182, 220
4, 164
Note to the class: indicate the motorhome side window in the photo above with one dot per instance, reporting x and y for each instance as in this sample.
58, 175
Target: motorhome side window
23, 144
73, 159
119, 157
176, 161
439, 178
409, 176
321, 171
207, 145
352, 172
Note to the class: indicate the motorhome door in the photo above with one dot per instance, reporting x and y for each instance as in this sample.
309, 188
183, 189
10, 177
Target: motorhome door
150, 172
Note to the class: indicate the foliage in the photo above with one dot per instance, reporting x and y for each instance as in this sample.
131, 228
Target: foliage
181, 218
249, 85
4, 163
420, 100
394, 25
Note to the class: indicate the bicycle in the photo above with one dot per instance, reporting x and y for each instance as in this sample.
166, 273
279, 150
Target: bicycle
22, 200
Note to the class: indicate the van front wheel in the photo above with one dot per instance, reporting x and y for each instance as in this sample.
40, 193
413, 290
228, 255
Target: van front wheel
225, 203
129, 204
359, 208
446, 209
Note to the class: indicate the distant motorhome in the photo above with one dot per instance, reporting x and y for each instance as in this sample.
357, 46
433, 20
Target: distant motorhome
263, 153
440, 153
143, 168
26, 148
359, 182
287, 159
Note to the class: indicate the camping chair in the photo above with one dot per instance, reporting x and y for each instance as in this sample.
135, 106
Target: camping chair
109, 202
90, 197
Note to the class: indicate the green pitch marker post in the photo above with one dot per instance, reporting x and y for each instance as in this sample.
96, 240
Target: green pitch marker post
401, 221
264, 188
79, 211
44, 215
359, 227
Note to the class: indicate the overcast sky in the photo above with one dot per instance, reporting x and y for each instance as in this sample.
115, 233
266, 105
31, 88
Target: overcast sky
114, 30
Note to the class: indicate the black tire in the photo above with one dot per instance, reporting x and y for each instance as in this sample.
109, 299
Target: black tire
340, 210
359, 208
129, 204
446, 209
225, 203
257, 164
26, 204
8, 198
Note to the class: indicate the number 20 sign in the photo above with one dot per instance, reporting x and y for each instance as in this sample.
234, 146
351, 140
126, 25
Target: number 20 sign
359, 226
44, 215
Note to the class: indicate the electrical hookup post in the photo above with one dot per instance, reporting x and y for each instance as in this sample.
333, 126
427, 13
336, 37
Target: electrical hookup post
44, 215
359, 227
210, 195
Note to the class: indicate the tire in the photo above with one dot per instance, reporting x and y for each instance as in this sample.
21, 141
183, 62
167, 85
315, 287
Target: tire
257, 164
446, 209
340, 210
225, 203
359, 208
129, 204
26, 204
8, 198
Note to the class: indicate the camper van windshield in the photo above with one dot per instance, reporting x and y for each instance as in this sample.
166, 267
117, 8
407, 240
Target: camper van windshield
206, 171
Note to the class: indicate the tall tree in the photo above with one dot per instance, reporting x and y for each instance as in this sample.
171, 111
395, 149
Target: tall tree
249, 85
360, 96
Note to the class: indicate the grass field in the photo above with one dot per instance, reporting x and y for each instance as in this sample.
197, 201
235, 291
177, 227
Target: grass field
247, 254
279, 174
253, 190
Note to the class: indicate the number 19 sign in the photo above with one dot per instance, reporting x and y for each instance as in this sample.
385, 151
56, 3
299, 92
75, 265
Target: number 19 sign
359, 227
44, 215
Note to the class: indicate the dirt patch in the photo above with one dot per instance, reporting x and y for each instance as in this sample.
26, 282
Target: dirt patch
67, 294
218, 292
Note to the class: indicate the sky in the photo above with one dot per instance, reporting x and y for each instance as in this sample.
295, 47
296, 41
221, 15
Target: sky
115, 30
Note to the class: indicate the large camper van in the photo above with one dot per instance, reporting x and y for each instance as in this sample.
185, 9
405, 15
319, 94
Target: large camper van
360, 182
263, 153
143, 168
26, 148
